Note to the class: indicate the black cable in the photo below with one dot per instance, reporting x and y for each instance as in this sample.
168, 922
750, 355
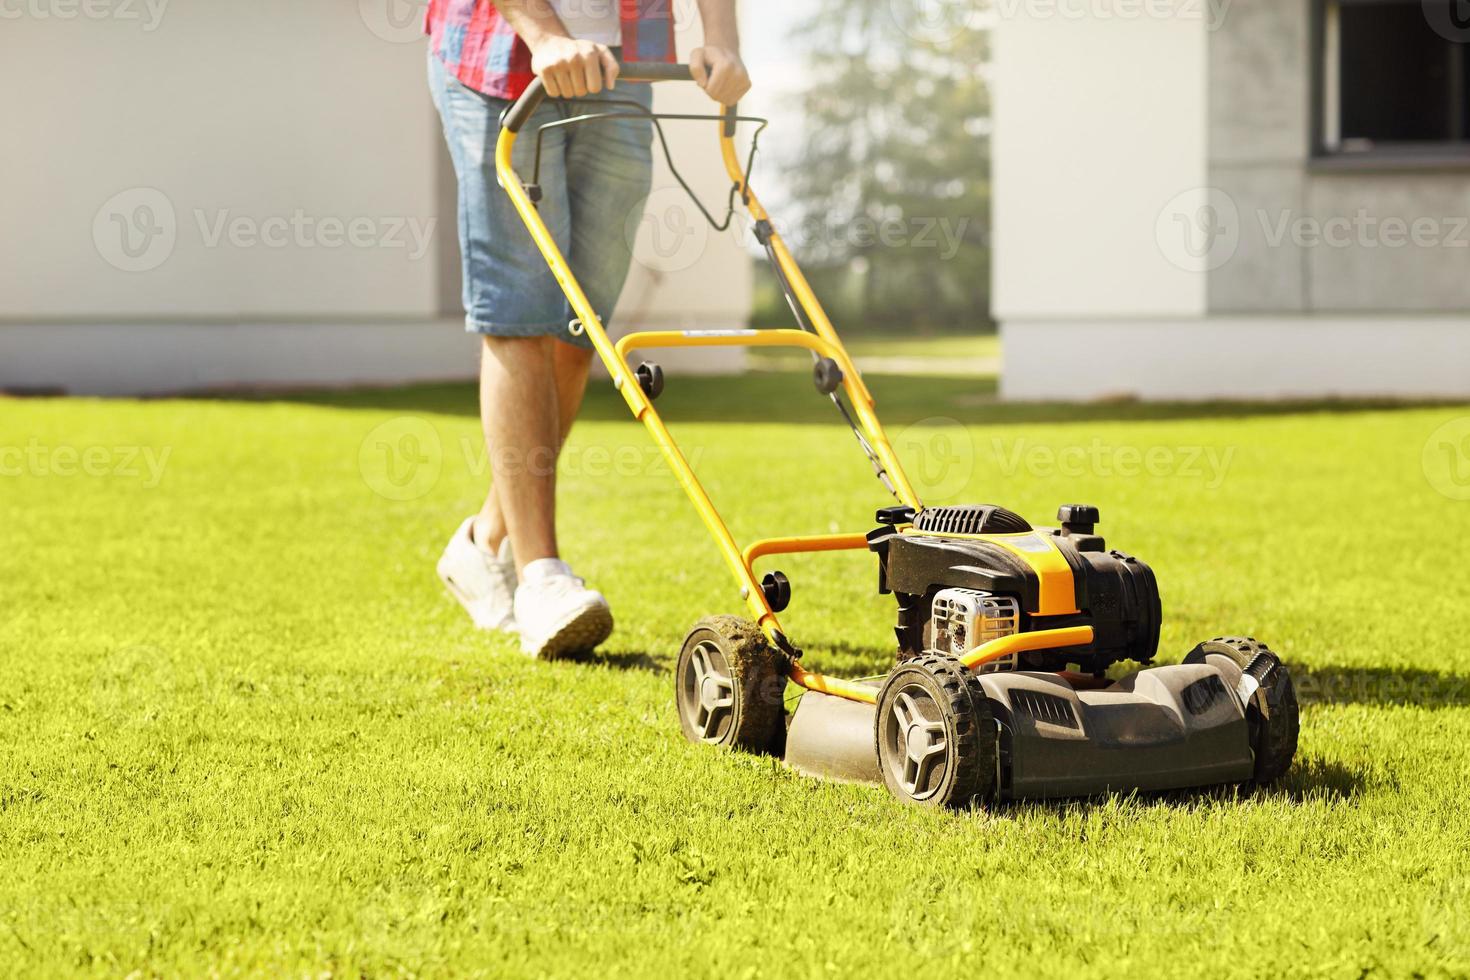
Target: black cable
656, 118
641, 112
879, 469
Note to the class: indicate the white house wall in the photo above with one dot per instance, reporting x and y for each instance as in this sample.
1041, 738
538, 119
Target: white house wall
244, 128
1252, 302
1099, 122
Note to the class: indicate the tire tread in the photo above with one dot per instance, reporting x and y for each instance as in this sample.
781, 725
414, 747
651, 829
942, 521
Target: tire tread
1275, 741
974, 727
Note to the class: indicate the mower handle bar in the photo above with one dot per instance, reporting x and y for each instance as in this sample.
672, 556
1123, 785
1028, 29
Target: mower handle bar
629, 71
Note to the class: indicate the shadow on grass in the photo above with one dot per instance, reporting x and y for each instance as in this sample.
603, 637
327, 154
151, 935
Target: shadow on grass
788, 398
625, 660
846, 659
1308, 781
1384, 686
1317, 779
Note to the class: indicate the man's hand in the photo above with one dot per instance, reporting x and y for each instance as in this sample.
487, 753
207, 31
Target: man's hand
570, 68
720, 72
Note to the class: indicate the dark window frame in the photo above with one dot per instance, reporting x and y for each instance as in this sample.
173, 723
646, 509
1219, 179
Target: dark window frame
1419, 156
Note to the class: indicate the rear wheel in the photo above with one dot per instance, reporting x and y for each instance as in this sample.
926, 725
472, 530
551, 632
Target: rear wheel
1272, 712
729, 686
935, 733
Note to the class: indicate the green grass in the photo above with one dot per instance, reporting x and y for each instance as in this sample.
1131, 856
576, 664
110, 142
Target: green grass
242, 730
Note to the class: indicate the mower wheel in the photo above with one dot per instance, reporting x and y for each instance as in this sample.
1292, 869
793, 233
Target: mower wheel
1272, 713
935, 733
730, 686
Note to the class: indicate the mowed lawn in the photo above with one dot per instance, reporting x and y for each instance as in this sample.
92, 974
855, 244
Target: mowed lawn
242, 730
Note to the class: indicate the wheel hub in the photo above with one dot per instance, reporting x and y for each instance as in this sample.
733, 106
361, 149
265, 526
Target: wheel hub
714, 692
920, 743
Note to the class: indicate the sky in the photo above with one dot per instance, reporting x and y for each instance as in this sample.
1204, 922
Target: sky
776, 74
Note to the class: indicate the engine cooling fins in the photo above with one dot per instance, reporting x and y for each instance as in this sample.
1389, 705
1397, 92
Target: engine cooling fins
971, 519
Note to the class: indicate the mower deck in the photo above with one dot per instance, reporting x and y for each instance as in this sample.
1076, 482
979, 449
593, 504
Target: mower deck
1157, 729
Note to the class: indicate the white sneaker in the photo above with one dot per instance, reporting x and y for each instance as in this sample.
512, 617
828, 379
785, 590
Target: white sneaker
484, 583
556, 612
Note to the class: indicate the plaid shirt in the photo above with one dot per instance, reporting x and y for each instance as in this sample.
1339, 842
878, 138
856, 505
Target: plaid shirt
482, 51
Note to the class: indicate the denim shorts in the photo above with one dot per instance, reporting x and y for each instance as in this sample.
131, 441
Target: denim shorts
594, 180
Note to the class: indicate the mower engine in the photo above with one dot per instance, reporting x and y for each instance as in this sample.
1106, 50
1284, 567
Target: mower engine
962, 619
964, 576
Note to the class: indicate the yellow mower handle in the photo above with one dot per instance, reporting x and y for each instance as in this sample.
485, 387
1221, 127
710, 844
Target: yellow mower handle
821, 337
523, 108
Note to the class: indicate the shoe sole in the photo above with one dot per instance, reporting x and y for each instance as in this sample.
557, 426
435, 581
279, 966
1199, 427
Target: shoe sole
508, 625
582, 633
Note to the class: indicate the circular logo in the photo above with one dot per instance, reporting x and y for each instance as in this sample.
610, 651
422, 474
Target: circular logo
134, 683
938, 454
934, 21
1199, 230
1447, 459
135, 231
394, 21
686, 13
1450, 19
667, 233
402, 458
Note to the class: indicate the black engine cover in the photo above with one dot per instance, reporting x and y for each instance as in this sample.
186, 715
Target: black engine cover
1117, 594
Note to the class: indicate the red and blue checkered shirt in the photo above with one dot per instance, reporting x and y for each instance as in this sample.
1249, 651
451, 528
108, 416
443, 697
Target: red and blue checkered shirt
482, 51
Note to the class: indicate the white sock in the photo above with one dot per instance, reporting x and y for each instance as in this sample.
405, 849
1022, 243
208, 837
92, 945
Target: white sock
544, 568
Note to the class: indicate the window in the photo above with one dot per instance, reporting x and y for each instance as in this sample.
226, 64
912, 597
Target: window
1393, 80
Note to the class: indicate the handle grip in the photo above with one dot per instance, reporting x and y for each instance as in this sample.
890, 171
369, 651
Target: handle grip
653, 71
629, 71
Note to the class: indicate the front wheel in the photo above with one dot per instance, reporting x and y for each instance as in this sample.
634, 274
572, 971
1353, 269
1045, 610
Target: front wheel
935, 733
1272, 712
729, 685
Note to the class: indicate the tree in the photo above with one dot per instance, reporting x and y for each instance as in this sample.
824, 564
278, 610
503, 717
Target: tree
892, 183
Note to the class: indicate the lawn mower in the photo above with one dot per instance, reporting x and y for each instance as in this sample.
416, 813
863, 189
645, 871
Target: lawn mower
1005, 630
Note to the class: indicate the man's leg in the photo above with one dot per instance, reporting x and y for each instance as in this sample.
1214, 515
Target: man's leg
529, 396
518, 410
570, 367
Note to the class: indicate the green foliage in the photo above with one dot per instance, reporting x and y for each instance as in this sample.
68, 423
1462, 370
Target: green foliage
243, 732
892, 181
